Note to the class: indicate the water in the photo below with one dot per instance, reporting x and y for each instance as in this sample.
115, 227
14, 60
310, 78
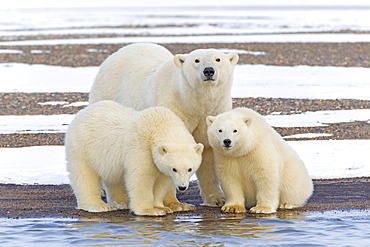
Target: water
333, 228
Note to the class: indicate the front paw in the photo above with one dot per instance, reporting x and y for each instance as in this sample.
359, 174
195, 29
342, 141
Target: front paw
150, 212
166, 209
214, 201
95, 207
178, 206
233, 209
262, 210
288, 206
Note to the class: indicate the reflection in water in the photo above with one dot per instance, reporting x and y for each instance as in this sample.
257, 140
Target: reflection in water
186, 230
314, 229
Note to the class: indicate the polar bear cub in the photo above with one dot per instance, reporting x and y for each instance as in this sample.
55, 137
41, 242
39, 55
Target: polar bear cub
137, 156
257, 169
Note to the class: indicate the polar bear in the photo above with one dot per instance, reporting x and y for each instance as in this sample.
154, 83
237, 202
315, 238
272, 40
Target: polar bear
193, 86
137, 156
256, 167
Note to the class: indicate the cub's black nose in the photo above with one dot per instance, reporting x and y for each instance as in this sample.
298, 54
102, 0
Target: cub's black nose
209, 72
227, 142
182, 188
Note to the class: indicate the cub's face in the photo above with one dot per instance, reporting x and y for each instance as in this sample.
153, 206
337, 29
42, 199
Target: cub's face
208, 67
179, 162
229, 134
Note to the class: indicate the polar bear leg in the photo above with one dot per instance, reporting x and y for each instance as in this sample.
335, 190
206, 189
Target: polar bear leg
208, 183
233, 189
267, 190
140, 188
87, 188
161, 187
171, 201
117, 195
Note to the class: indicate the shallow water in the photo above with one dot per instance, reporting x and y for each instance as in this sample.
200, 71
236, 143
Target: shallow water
334, 228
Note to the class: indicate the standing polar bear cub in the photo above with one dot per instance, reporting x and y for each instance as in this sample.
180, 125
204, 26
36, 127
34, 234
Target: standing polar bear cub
256, 167
137, 156
192, 85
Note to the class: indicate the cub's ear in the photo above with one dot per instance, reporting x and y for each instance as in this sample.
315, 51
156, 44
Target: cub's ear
209, 120
247, 120
163, 149
199, 148
179, 60
234, 58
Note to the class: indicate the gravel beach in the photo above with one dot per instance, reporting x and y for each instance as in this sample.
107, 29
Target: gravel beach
23, 201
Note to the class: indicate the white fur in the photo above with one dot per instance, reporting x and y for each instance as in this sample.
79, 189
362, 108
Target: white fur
256, 167
137, 156
145, 75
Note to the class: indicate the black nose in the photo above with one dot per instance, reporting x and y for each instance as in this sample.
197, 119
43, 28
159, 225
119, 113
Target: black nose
227, 142
209, 72
182, 188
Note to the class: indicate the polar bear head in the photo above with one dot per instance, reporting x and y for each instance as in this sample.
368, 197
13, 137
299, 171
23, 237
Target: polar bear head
230, 133
206, 67
179, 162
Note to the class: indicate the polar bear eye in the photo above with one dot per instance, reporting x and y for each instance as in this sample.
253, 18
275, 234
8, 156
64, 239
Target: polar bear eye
197, 60
220, 131
174, 169
235, 131
218, 60
190, 170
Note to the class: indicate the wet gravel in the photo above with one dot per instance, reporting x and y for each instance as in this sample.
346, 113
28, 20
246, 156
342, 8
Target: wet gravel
280, 54
30, 201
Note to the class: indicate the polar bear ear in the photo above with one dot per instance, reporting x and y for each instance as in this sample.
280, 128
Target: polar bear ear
209, 120
234, 58
163, 150
247, 120
199, 148
179, 60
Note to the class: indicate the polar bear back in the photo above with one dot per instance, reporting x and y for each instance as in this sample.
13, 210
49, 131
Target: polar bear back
93, 132
265, 135
131, 63
107, 132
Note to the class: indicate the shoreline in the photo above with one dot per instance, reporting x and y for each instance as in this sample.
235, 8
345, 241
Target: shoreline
58, 201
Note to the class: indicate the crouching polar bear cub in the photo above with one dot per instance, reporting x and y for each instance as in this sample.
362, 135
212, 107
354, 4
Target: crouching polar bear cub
192, 85
137, 156
256, 167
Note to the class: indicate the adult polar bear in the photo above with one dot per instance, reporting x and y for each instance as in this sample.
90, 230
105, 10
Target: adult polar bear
193, 86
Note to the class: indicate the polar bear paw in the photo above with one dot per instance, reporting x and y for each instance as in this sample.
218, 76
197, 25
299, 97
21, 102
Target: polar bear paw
233, 209
166, 209
151, 212
214, 202
287, 206
178, 206
262, 210
96, 207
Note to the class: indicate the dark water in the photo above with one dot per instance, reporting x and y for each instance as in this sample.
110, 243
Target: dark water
333, 228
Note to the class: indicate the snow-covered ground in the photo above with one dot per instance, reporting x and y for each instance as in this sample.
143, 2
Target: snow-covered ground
266, 22
277, 81
59, 123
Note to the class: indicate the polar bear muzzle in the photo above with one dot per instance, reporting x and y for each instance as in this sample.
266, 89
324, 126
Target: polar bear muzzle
227, 143
209, 72
182, 188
